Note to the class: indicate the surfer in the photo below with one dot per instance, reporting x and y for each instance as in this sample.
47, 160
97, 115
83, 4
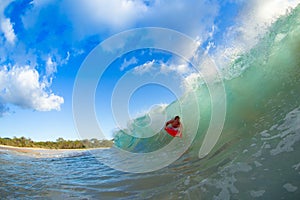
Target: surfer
174, 127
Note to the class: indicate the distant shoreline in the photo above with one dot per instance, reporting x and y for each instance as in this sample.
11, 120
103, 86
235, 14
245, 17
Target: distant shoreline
60, 143
39, 152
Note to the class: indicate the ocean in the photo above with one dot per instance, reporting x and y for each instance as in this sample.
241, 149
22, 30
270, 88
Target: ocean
256, 156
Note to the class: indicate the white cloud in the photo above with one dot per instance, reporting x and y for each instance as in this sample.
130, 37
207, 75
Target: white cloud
105, 17
50, 66
184, 73
20, 86
178, 66
94, 16
5, 24
188, 77
51, 69
127, 63
20, 82
7, 29
142, 69
91, 17
193, 17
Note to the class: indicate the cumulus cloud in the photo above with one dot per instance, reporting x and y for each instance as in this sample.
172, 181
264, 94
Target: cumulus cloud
193, 17
51, 67
144, 68
178, 68
127, 63
94, 16
7, 29
28, 62
188, 77
105, 17
90, 17
20, 86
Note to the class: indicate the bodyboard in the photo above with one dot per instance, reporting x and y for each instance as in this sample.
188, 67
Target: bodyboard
171, 131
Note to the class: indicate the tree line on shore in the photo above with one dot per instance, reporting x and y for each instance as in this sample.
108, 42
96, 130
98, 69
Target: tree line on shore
60, 143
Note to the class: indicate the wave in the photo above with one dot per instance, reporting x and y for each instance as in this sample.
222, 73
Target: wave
261, 86
257, 154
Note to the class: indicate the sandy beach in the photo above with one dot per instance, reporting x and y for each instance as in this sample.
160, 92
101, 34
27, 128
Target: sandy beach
42, 152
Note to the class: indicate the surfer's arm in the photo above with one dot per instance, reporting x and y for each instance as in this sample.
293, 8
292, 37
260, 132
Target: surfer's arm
179, 134
180, 129
168, 122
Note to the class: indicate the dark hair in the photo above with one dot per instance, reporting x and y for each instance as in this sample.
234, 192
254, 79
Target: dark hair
177, 117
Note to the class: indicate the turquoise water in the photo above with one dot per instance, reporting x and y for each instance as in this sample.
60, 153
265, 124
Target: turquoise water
256, 157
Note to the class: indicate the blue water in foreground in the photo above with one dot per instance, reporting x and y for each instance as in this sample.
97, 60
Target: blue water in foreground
256, 157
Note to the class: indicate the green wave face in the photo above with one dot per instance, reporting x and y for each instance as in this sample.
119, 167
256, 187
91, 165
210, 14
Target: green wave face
262, 86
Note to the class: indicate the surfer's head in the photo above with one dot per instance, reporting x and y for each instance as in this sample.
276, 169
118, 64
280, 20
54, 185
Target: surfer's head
177, 118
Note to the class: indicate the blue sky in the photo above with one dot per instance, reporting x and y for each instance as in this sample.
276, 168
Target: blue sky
44, 42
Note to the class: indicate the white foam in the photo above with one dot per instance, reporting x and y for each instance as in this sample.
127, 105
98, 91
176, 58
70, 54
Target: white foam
265, 133
279, 37
289, 132
239, 167
253, 145
245, 151
257, 164
257, 193
258, 153
297, 166
289, 187
274, 127
226, 184
187, 181
286, 145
